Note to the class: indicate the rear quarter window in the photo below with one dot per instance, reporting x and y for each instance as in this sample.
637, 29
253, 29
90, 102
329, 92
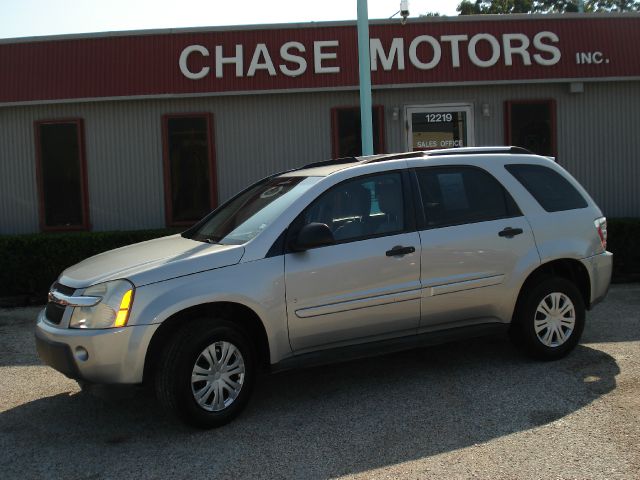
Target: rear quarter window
458, 195
552, 191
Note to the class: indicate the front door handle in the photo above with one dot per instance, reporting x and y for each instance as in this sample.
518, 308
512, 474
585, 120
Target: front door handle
399, 250
510, 232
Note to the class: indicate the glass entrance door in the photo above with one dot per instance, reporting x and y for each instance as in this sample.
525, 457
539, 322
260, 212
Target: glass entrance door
431, 127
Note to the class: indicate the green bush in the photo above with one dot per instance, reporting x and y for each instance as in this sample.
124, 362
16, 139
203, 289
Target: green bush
30, 263
624, 241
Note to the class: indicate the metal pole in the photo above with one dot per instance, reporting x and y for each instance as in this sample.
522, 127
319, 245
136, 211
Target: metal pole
366, 121
581, 6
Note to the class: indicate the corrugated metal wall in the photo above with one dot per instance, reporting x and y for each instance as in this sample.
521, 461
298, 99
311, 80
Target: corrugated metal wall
18, 192
258, 134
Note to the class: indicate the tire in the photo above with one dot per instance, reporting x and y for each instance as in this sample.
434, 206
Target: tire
549, 319
85, 387
216, 396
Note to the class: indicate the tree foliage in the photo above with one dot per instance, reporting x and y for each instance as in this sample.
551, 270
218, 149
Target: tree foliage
561, 6
468, 7
479, 7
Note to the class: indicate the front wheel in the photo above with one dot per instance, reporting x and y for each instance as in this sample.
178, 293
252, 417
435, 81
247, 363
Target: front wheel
206, 374
549, 319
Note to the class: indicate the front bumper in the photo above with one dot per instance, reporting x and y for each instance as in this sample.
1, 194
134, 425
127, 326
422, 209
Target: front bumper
599, 267
112, 356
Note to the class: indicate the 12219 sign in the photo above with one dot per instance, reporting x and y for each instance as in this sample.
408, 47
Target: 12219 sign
439, 117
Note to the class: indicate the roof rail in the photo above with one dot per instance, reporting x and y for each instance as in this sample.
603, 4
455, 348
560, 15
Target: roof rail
477, 150
325, 163
449, 151
364, 159
383, 157
389, 156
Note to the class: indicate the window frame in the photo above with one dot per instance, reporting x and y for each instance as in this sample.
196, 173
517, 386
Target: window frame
335, 130
508, 140
84, 184
408, 207
166, 167
421, 214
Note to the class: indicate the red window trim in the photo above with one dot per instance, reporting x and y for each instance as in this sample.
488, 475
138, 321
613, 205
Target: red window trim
213, 174
507, 121
84, 189
335, 140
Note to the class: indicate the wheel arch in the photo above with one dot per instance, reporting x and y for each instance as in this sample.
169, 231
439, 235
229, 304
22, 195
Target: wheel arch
247, 319
568, 268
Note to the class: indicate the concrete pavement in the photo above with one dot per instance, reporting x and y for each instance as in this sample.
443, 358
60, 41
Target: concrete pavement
473, 409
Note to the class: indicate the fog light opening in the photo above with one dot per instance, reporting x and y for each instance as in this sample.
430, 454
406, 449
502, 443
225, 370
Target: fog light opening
82, 354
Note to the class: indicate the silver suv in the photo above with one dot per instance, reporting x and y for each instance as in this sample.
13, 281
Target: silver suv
333, 261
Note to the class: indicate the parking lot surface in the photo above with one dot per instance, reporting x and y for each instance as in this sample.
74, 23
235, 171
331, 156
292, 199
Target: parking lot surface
472, 409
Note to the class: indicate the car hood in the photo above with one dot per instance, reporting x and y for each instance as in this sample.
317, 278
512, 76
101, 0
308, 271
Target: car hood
151, 261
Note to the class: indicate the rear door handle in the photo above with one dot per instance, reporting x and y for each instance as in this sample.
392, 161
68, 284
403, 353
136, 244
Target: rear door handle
510, 232
399, 250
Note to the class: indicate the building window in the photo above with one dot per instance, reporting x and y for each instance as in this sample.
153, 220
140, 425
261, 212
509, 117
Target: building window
61, 175
532, 125
189, 168
433, 127
347, 133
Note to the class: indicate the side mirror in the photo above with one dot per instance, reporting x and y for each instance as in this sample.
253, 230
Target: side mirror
312, 235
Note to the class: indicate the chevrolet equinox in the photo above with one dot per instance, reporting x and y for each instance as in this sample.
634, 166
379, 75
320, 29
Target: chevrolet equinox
333, 261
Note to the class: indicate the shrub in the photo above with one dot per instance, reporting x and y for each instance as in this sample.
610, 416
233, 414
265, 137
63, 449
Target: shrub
624, 243
31, 263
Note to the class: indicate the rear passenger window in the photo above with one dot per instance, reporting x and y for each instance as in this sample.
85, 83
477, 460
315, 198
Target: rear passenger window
458, 195
552, 191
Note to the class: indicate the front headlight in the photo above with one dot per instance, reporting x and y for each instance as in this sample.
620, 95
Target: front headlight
111, 311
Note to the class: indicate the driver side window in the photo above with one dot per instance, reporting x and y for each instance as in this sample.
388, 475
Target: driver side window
368, 206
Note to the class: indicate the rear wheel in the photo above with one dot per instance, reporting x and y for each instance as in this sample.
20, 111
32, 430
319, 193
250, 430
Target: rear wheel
206, 374
549, 319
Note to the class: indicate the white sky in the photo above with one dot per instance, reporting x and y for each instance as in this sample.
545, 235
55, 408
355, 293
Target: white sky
26, 18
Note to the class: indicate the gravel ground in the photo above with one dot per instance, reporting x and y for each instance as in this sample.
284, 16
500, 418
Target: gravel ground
474, 409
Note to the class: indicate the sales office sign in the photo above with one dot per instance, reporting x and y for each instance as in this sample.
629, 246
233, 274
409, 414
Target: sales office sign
422, 52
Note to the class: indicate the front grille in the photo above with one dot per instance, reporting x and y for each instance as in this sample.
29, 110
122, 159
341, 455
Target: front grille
55, 312
63, 289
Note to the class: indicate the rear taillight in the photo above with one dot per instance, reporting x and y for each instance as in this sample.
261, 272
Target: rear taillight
601, 227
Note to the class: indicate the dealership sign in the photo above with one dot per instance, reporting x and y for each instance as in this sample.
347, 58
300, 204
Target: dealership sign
321, 56
424, 52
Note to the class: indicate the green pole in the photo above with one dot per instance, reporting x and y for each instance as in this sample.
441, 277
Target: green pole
365, 78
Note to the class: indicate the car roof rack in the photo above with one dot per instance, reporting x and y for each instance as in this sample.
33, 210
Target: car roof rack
449, 151
326, 163
478, 150
383, 157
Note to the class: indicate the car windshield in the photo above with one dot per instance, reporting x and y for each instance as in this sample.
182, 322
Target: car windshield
245, 216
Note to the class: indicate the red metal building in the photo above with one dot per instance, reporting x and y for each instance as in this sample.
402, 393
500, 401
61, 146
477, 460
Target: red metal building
145, 129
